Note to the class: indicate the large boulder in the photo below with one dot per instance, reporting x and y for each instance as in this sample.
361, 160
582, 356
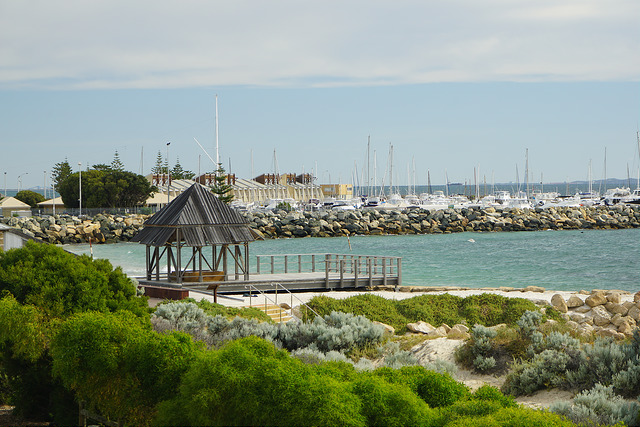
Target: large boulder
574, 301
421, 327
601, 317
596, 299
557, 301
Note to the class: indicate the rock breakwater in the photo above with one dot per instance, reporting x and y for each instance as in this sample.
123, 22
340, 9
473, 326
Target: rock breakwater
420, 221
65, 229
105, 228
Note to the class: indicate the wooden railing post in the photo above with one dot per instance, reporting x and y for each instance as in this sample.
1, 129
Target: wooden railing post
313, 263
370, 271
384, 271
399, 273
327, 260
272, 265
258, 264
356, 269
342, 273
299, 263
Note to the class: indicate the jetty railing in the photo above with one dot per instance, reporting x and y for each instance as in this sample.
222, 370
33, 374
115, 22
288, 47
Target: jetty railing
358, 266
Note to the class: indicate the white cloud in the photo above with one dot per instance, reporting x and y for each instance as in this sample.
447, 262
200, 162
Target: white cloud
117, 43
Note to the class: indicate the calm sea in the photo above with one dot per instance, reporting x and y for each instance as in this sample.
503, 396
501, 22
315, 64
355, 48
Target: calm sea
568, 260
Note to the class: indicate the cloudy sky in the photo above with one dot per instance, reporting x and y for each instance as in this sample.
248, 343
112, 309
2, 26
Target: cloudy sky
453, 85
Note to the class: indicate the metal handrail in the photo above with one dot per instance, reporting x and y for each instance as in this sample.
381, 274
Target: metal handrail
276, 286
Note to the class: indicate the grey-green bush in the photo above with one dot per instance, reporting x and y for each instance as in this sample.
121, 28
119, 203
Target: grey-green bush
333, 332
599, 406
482, 347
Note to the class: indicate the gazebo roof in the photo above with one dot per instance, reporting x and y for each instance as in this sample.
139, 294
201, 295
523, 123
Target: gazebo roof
201, 218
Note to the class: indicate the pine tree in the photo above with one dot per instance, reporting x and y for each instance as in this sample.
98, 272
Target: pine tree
220, 187
160, 166
117, 164
179, 173
60, 172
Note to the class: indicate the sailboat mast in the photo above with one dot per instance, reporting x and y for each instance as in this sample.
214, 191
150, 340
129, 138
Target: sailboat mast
368, 166
638, 137
390, 168
605, 170
526, 171
217, 141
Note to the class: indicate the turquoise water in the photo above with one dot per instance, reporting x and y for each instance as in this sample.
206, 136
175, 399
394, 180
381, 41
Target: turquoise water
568, 260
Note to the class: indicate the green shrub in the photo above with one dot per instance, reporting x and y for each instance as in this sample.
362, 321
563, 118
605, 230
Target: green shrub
118, 365
250, 382
61, 283
390, 404
423, 308
434, 388
484, 309
489, 393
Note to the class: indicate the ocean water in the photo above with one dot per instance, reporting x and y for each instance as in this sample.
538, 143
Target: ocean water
568, 260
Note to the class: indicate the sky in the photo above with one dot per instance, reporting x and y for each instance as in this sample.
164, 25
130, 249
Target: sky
342, 89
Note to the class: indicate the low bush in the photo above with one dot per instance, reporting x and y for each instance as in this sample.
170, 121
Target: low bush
484, 309
435, 389
482, 347
333, 332
214, 309
599, 406
250, 382
390, 404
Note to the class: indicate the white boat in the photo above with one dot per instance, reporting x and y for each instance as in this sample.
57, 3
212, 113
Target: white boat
614, 196
633, 198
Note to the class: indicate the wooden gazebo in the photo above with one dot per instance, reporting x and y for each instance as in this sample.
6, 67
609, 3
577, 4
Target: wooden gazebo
196, 219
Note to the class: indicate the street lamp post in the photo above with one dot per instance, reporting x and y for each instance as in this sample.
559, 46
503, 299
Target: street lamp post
5, 184
44, 186
80, 186
20, 180
168, 174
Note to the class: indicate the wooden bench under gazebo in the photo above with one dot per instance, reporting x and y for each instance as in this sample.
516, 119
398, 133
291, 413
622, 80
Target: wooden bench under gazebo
178, 233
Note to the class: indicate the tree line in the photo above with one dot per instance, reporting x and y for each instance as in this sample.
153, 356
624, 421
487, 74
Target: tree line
111, 186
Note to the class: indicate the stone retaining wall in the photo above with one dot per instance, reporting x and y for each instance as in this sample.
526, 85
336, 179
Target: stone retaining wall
106, 228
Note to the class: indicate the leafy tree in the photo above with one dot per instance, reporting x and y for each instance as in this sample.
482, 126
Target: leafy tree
160, 166
60, 172
117, 164
42, 284
61, 283
118, 365
220, 187
102, 188
30, 197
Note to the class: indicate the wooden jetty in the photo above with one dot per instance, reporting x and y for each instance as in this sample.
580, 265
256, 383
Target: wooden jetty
205, 247
295, 272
